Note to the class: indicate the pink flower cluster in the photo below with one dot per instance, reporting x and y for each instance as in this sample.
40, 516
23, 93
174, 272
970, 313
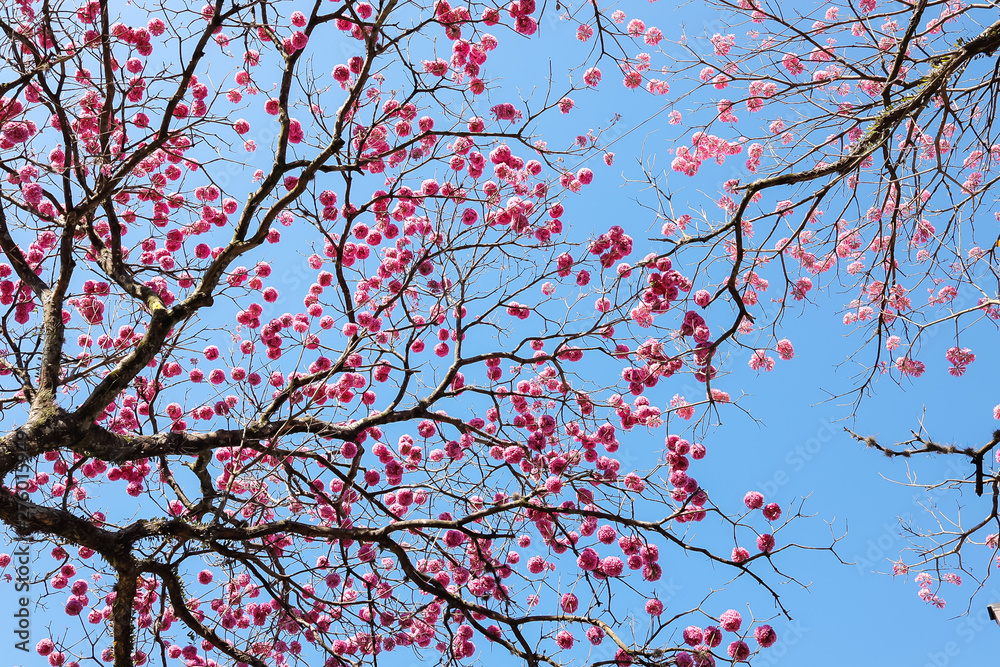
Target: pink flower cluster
960, 358
705, 146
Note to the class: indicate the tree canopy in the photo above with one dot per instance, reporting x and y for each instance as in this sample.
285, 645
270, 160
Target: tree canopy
312, 355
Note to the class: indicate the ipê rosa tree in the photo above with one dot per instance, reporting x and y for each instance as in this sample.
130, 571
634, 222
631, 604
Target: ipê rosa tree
857, 149
218, 482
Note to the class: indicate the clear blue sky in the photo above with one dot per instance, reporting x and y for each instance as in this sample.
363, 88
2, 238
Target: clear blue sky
799, 449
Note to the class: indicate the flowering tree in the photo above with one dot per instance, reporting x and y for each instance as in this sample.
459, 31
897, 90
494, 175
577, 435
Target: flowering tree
423, 454
412, 458
867, 174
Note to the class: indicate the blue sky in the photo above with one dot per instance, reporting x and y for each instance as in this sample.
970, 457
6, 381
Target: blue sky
797, 449
794, 448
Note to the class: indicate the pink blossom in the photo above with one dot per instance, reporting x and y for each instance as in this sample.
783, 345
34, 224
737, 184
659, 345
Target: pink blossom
525, 25
738, 651
19, 132
506, 111
536, 565
765, 635
731, 621
720, 396
90, 308
723, 43
760, 361
908, 366
753, 500
635, 28
588, 560
792, 64
612, 566
437, 67
692, 635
